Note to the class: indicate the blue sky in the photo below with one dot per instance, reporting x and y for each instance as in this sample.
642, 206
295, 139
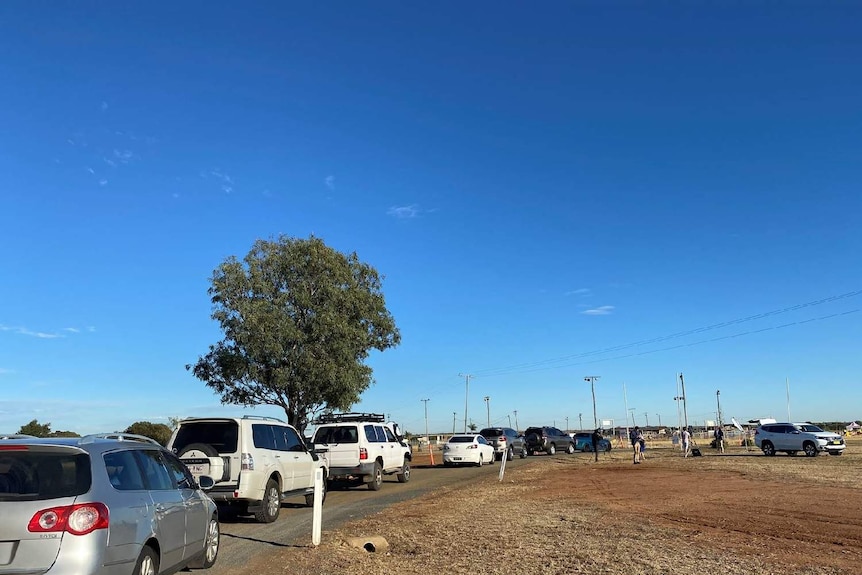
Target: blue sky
550, 192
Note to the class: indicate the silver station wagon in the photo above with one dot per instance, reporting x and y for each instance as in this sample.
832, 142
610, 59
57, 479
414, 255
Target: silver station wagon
101, 504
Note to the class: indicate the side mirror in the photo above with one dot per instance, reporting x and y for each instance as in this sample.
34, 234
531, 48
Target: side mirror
206, 482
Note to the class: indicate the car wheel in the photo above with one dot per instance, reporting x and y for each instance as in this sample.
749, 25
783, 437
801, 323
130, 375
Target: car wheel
768, 448
309, 498
523, 454
404, 476
586, 448
148, 562
570, 448
552, 449
481, 461
211, 543
810, 449
271, 504
376, 477
510, 454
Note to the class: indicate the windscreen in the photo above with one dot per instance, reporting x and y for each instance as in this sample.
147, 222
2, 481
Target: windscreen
491, 432
461, 439
221, 435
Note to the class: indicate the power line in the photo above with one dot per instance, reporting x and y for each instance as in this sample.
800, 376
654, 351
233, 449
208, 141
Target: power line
490, 372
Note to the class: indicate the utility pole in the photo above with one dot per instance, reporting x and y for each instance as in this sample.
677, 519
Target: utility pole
592, 379
488, 408
787, 387
580, 422
466, 396
718, 406
659, 419
510, 420
567, 424
516, 420
425, 401
678, 413
626, 401
646, 418
454, 413
684, 406
632, 410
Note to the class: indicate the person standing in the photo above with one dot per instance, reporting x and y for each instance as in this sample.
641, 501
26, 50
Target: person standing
719, 438
686, 442
641, 446
597, 438
636, 444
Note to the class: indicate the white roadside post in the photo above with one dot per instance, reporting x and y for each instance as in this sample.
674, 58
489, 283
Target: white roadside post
317, 510
503, 465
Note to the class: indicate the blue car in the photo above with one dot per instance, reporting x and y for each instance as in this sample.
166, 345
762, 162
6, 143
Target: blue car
584, 442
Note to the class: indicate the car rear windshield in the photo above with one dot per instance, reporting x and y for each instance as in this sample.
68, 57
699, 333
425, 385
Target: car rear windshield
222, 435
342, 434
491, 432
536, 430
461, 439
30, 475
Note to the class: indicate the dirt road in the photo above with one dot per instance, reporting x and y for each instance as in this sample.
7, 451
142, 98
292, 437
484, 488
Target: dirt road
737, 513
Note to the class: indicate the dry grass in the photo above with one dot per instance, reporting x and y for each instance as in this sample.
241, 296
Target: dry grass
737, 513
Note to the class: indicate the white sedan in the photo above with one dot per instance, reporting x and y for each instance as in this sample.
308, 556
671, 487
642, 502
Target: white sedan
467, 448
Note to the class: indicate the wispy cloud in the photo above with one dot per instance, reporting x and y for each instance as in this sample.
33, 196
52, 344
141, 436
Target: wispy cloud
91, 170
124, 156
226, 182
104, 106
601, 310
4, 371
109, 161
404, 212
103, 182
330, 182
72, 329
29, 332
580, 291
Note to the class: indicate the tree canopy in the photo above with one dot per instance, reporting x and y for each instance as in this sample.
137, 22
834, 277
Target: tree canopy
299, 319
158, 431
36, 429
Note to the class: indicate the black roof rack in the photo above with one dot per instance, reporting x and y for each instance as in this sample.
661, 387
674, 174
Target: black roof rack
345, 417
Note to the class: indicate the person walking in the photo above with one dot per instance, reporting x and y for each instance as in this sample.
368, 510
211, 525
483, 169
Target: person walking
636, 444
596, 438
686, 442
719, 438
641, 446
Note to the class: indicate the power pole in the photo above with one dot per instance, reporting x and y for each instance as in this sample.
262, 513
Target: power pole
626, 401
516, 420
454, 413
580, 422
659, 419
488, 408
632, 410
510, 420
425, 401
466, 396
592, 379
718, 406
646, 418
567, 424
684, 407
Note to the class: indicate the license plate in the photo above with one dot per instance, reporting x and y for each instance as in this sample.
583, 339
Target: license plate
457, 458
835, 442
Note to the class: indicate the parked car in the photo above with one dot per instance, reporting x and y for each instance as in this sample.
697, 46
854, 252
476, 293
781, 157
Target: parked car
362, 448
794, 437
255, 461
548, 439
102, 504
505, 441
468, 448
584, 442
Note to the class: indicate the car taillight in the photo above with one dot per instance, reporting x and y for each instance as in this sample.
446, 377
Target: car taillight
77, 519
502, 439
363, 454
473, 446
13, 448
246, 462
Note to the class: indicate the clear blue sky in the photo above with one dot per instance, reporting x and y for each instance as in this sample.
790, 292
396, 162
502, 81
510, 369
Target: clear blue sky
550, 192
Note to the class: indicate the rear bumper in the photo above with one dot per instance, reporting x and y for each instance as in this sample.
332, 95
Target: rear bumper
350, 472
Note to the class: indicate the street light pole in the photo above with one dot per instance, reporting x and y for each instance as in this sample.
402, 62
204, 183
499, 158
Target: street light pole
488, 408
684, 406
592, 379
425, 401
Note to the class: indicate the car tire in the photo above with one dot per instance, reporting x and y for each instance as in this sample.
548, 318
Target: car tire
767, 448
523, 453
404, 476
570, 448
271, 504
552, 449
586, 448
211, 545
376, 477
510, 454
148, 562
309, 498
810, 449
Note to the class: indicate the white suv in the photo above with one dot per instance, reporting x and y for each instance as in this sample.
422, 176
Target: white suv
255, 462
794, 437
361, 448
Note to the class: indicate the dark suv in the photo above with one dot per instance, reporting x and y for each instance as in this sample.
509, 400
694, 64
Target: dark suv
505, 441
548, 439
